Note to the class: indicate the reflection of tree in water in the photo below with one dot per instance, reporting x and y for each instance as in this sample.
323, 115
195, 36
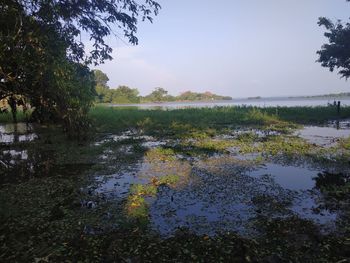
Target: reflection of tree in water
335, 189
326, 182
24, 164
21, 165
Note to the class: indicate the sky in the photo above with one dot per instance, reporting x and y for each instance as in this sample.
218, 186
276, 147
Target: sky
238, 48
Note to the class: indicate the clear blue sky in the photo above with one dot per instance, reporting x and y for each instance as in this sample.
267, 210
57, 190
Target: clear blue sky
238, 48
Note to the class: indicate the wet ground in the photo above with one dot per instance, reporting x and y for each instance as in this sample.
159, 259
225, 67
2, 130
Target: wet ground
207, 193
229, 191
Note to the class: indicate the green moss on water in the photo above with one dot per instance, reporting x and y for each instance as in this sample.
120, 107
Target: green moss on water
136, 205
170, 179
161, 154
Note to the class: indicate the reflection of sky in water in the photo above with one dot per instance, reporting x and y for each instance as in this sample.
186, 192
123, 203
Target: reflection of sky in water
19, 128
174, 209
118, 185
23, 155
289, 177
218, 202
221, 194
11, 138
20, 132
215, 200
323, 136
304, 205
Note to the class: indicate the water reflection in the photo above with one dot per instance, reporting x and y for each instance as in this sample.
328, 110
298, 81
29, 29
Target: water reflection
209, 194
323, 136
289, 177
13, 133
223, 193
225, 198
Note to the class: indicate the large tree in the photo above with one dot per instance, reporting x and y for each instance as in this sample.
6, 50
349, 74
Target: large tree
336, 53
101, 78
42, 56
157, 95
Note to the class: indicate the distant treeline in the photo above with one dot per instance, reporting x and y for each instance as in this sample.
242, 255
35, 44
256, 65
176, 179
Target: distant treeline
331, 95
124, 94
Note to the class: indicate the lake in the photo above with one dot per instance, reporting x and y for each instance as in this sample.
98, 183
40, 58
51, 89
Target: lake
263, 102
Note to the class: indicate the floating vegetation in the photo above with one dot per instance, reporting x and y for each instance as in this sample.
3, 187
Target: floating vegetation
215, 189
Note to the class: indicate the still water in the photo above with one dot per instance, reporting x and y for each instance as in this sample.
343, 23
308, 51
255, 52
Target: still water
215, 192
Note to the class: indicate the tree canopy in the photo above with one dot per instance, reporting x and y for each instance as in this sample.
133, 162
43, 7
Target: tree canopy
157, 95
101, 78
125, 95
42, 56
336, 53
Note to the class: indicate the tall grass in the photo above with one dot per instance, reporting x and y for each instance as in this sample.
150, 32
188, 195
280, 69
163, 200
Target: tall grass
305, 115
116, 119
7, 117
109, 119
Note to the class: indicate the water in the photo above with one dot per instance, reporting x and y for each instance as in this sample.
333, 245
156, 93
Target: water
288, 177
230, 200
229, 192
323, 136
118, 185
222, 192
20, 132
263, 102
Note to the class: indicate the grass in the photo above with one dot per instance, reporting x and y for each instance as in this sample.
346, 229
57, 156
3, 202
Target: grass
136, 206
307, 115
204, 122
190, 121
180, 121
7, 117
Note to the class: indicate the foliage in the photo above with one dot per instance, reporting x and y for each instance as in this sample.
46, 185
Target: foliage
161, 95
193, 96
43, 64
124, 94
158, 95
101, 78
121, 95
69, 19
335, 54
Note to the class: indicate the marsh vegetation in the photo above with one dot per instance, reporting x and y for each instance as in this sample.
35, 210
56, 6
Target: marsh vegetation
222, 184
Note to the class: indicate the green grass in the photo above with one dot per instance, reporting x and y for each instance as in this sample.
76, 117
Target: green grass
203, 122
181, 122
136, 206
7, 117
306, 115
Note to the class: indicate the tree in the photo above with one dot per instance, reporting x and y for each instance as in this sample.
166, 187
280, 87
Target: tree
336, 53
124, 94
97, 18
102, 89
101, 78
157, 95
42, 58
